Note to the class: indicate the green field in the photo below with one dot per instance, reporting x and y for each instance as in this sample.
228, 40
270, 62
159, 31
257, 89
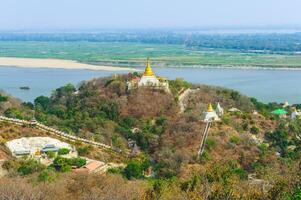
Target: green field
134, 54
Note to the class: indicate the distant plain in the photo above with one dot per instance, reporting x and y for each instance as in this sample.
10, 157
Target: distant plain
133, 54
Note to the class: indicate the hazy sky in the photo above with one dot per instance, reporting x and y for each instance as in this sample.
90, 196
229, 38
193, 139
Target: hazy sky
82, 14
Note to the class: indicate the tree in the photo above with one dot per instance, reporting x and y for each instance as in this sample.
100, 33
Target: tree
61, 164
133, 170
43, 102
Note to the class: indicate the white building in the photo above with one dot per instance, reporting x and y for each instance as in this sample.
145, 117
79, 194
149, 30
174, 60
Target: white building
35, 145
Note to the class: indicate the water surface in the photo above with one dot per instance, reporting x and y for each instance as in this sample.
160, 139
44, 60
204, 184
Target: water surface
266, 85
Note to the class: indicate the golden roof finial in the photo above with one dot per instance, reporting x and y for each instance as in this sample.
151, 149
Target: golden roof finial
210, 109
148, 70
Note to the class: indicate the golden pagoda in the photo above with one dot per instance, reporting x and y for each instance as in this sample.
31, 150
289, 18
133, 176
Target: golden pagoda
148, 70
149, 79
210, 109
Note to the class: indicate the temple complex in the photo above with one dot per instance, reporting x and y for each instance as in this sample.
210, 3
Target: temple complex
148, 79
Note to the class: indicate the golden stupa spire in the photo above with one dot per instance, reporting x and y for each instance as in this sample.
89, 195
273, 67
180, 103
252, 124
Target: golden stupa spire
148, 70
210, 109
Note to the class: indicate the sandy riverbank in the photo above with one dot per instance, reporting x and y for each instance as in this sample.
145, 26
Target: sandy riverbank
55, 63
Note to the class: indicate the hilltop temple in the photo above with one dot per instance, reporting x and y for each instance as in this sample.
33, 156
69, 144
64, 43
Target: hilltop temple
149, 80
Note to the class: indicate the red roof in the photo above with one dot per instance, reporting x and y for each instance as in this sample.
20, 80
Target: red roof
136, 79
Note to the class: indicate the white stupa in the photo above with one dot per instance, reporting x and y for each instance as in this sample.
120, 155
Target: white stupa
210, 115
219, 110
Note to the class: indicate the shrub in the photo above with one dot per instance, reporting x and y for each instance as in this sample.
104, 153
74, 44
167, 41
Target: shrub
78, 162
9, 165
46, 176
254, 130
177, 84
63, 151
226, 119
279, 139
83, 151
210, 143
133, 170
3, 98
295, 194
205, 156
29, 166
64, 164
50, 154
114, 171
61, 164
235, 139
245, 126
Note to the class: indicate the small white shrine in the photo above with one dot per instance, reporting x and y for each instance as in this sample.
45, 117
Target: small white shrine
210, 115
219, 110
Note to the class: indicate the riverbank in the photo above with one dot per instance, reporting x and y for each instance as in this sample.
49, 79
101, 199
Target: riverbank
55, 64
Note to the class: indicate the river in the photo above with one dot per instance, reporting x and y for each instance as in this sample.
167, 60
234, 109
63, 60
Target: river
265, 85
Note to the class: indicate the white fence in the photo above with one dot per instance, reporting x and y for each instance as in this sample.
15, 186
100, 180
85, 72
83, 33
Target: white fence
53, 131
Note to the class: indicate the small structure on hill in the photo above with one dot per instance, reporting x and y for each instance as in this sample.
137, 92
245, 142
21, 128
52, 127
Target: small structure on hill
255, 112
210, 115
280, 112
286, 104
234, 110
219, 110
92, 166
149, 80
296, 114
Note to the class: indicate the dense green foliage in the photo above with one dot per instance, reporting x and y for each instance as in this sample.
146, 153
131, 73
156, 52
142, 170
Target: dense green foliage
63, 151
65, 164
3, 98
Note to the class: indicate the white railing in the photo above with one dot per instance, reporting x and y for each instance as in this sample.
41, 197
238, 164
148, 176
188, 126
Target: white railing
204, 138
56, 132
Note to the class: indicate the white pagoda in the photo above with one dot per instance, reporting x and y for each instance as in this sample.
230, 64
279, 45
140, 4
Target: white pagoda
219, 110
210, 115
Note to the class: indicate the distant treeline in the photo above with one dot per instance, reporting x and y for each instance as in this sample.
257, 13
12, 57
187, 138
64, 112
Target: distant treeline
258, 43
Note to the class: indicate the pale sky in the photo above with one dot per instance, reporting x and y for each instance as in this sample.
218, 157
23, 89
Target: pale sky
98, 14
